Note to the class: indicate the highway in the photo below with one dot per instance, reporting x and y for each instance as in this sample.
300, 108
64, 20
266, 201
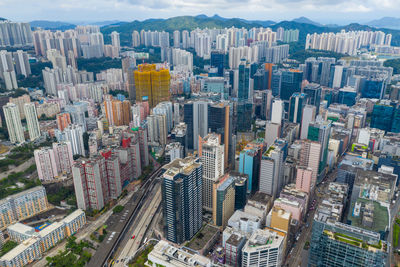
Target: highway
118, 224
83, 233
139, 227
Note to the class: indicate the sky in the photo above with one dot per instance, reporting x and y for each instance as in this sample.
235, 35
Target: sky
323, 11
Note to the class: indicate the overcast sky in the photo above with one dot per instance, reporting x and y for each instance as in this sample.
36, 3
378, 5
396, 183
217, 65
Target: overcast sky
324, 11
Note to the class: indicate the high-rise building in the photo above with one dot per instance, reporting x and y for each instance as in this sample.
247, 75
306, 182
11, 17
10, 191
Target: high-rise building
135, 39
90, 183
310, 155
182, 199
211, 154
313, 92
240, 189
320, 131
15, 34
223, 200
373, 88
249, 163
177, 39
63, 156
382, 116
264, 248
219, 121
272, 132
152, 83
217, 61
32, 121
74, 134
63, 120
304, 180
244, 93
20, 101
196, 118
309, 113
165, 108
296, 106
13, 122
271, 171
157, 129
22, 65
290, 83
338, 244
117, 112
278, 109
46, 164
7, 72
115, 42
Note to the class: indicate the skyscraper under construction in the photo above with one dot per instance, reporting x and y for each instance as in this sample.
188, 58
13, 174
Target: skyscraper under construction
152, 83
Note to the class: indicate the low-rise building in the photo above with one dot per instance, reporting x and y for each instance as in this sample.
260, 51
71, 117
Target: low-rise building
264, 248
164, 254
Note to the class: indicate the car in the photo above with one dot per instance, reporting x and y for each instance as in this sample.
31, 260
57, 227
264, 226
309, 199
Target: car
133, 237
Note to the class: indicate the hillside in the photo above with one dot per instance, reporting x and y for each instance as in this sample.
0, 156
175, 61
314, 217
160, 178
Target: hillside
176, 23
52, 25
202, 21
385, 22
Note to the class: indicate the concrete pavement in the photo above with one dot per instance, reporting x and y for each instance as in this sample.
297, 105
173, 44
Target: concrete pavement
140, 227
82, 233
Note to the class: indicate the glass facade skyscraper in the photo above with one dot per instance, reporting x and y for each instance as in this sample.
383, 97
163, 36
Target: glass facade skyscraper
182, 199
290, 83
338, 244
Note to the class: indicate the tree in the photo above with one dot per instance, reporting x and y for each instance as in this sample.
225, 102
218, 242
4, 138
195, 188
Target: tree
118, 209
9, 245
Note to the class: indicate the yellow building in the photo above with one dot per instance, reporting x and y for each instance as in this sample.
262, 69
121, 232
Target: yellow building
280, 219
223, 200
152, 84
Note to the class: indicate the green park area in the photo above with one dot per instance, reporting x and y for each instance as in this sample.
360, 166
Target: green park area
74, 255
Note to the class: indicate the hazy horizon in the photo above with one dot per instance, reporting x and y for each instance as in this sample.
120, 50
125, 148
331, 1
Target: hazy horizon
129, 10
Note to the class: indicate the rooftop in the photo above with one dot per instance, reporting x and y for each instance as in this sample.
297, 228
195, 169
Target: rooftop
380, 216
20, 248
235, 239
200, 240
21, 228
179, 165
261, 198
164, 252
73, 215
266, 238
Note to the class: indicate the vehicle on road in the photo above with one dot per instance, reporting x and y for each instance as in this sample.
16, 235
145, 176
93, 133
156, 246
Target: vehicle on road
133, 237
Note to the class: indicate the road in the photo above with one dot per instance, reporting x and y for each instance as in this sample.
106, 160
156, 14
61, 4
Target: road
119, 224
296, 258
139, 227
83, 233
394, 210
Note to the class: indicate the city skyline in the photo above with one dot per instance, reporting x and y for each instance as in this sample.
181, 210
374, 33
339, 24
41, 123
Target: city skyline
74, 11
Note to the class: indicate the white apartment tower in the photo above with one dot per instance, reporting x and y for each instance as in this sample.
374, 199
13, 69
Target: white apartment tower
32, 121
211, 154
13, 121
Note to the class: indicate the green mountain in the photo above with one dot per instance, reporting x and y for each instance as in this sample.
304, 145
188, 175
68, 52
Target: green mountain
305, 26
176, 23
52, 25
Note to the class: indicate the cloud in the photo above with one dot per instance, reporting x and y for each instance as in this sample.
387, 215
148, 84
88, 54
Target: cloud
67, 10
